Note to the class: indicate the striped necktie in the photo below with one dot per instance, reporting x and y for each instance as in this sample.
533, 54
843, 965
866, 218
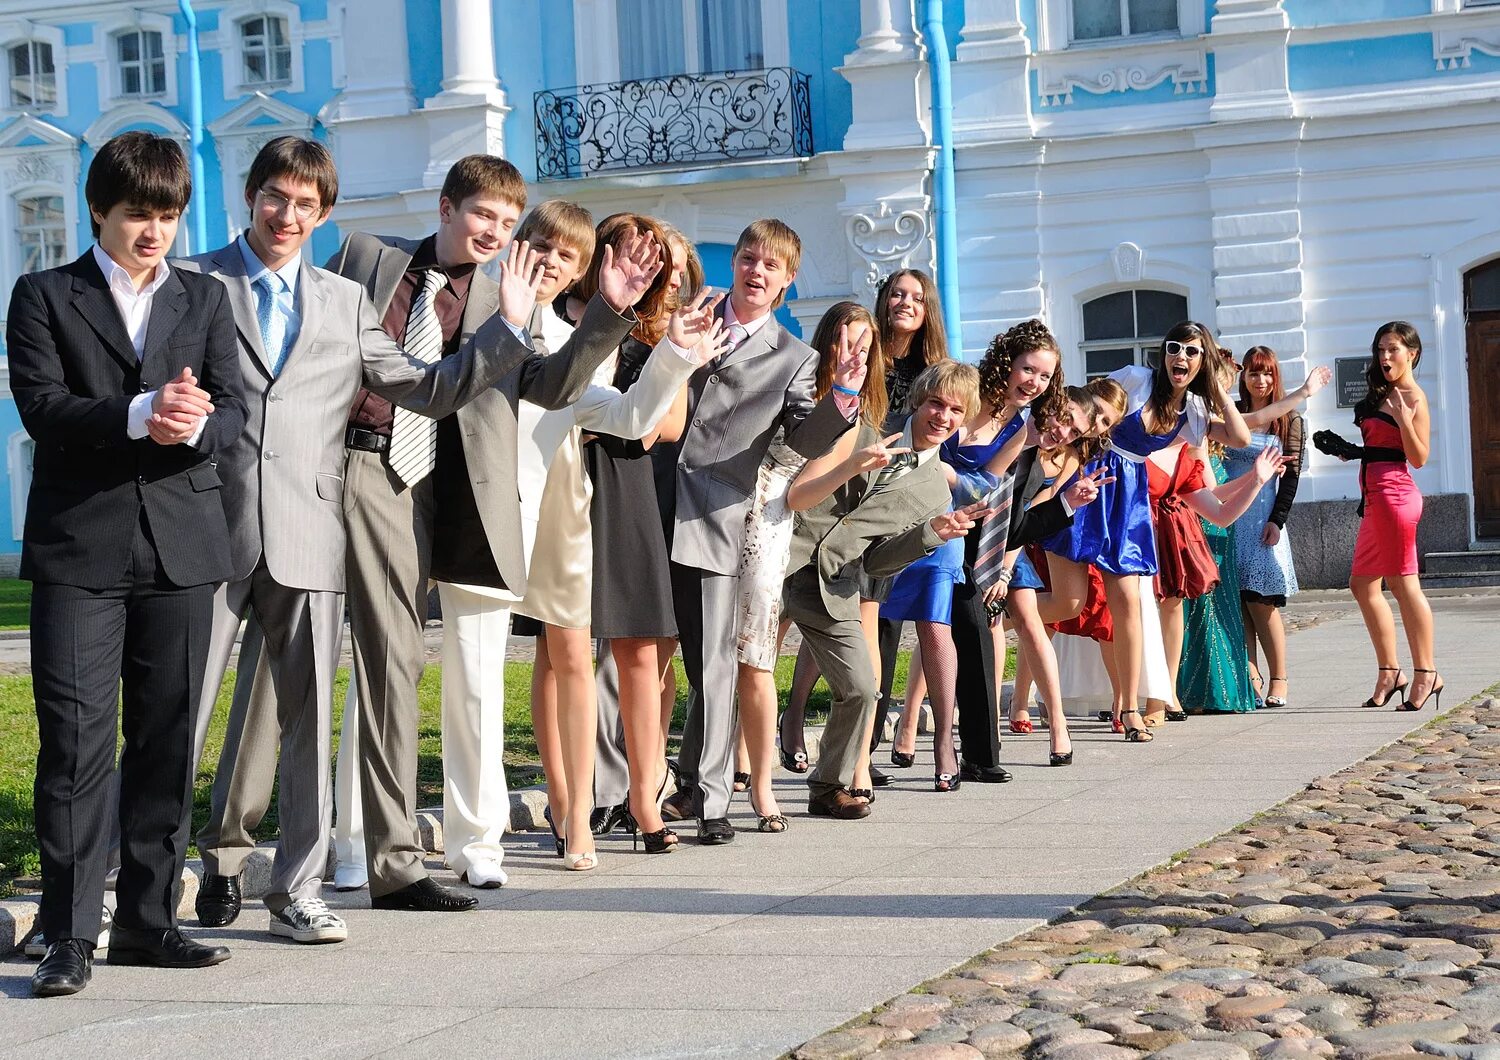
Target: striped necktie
414, 437
901, 462
994, 532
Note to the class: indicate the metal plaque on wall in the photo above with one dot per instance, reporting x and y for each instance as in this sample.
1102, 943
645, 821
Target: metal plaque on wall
1349, 380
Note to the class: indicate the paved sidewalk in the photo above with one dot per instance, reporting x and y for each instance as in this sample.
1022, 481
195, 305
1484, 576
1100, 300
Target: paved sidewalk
753, 948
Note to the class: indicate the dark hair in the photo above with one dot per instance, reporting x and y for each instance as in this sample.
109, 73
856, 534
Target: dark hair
1263, 359
652, 309
300, 159
1379, 385
930, 343
1205, 384
873, 398
994, 371
484, 175
139, 169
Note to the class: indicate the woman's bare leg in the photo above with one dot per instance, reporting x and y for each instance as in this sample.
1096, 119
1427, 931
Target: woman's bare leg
1070, 589
940, 664
911, 703
1036, 651
548, 742
1381, 625
1170, 610
1123, 592
1416, 618
805, 675
757, 689
640, 713
572, 658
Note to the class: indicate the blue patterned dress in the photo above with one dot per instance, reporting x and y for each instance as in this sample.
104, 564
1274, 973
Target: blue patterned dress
1215, 673
1266, 571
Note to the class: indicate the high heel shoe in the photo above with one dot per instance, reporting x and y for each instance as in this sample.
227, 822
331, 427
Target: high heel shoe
1135, 734
1060, 758
1275, 701
581, 862
658, 842
556, 839
1021, 726
1116, 724
741, 782
902, 760
1434, 693
774, 823
794, 761
1399, 686
947, 782
868, 794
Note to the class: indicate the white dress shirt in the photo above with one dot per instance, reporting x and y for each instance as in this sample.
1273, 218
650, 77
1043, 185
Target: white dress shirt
135, 310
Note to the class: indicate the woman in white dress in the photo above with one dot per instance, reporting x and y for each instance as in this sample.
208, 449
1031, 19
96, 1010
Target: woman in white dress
846, 327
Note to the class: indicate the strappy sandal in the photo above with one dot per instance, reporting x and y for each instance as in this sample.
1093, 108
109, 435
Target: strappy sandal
1275, 701
1399, 686
1433, 693
741, 782
1022, 726
868, 794
1136, 734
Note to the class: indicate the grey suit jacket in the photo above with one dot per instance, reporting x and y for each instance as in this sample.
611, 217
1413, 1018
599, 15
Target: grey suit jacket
734, 410
487, 425
284, 476
886, 529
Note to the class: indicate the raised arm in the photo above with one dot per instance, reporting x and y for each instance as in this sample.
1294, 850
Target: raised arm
1411, 415
1260, 419
1222, 505
821, 476
634, 414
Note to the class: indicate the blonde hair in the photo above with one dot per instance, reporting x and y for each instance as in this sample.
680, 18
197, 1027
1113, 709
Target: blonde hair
778, 238
950, 379
560, 221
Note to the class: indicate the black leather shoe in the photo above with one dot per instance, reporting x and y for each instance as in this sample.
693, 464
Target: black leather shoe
678, 806
984, 774
605, 819
425, 896
714, 831
879, 779
160, 948
65, 970
218, 900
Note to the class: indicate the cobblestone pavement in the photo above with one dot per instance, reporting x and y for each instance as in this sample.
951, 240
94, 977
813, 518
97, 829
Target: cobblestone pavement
1358, 919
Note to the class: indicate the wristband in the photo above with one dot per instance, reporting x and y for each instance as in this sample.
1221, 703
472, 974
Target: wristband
845, 390
1004, 575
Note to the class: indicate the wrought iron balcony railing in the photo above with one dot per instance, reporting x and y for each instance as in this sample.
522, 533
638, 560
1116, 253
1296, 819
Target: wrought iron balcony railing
673, 121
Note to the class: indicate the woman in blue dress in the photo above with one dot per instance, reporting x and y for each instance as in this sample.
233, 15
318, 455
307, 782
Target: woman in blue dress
1020, 374
1262, 549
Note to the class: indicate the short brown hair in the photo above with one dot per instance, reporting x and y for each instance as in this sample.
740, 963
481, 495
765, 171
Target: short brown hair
139, 169
300, 159
653, 309
950, 379
560, 221
486, 175
777, 237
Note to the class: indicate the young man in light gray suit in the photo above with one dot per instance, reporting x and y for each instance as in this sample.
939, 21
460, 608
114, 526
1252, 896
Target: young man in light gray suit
876, 511
308, 339
765, 383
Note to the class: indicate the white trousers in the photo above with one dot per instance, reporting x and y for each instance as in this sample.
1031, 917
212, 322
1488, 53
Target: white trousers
348, 812
476, 801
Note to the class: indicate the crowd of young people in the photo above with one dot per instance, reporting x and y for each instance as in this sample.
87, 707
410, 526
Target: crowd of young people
597, 451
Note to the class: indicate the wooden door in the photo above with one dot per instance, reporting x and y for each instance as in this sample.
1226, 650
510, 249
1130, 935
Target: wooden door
1484, 419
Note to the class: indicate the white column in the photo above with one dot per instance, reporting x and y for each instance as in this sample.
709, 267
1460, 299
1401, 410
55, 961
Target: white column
378, 79
992, 30
1249, 41
888, 79
468, 48
1240, 16
888, 32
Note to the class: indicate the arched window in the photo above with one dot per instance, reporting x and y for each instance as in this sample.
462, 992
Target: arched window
265, 51
33, 76
1122, 328
43, 229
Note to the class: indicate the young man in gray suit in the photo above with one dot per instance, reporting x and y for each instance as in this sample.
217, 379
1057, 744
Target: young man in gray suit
764, 384
876, 511
308, 339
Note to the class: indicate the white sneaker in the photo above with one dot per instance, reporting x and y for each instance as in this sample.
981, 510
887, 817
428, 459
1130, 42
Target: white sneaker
485, 873
37, 947
350, 878
308, 920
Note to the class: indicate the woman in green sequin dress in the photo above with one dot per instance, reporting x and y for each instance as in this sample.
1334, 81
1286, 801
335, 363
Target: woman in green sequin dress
1215, 674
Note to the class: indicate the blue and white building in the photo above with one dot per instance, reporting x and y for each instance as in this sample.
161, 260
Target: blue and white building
1289, 172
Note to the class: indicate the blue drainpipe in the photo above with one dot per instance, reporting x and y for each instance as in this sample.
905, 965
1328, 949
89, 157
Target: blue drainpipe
195, 126
942, 176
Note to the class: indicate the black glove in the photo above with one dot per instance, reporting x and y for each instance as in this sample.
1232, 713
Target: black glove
1337, 445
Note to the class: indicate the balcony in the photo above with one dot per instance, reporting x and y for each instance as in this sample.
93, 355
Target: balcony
665, 122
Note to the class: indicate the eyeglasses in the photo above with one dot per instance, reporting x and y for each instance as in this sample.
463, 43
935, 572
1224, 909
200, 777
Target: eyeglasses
277, 203
1173, 348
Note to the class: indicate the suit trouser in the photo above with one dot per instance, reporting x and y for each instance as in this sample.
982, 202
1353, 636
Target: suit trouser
151, 636
348, 813
476, 801
843, 655
611, 769
974, 687
389, 556
302, 632
707, 606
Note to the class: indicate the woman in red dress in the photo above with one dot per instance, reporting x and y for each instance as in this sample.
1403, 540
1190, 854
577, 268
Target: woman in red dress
1395, 423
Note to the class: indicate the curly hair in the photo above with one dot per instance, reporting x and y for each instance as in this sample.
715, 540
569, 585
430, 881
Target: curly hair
1029, 336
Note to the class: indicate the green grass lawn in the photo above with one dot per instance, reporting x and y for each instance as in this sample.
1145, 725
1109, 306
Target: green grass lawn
15, 604
18, 746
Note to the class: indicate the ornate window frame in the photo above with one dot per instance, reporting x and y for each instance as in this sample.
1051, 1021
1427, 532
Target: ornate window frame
231, 45
134, 21
238, 135
596, 38
1057, 28
29, 169
18, 31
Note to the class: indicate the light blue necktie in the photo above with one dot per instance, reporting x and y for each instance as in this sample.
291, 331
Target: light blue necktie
272, 323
